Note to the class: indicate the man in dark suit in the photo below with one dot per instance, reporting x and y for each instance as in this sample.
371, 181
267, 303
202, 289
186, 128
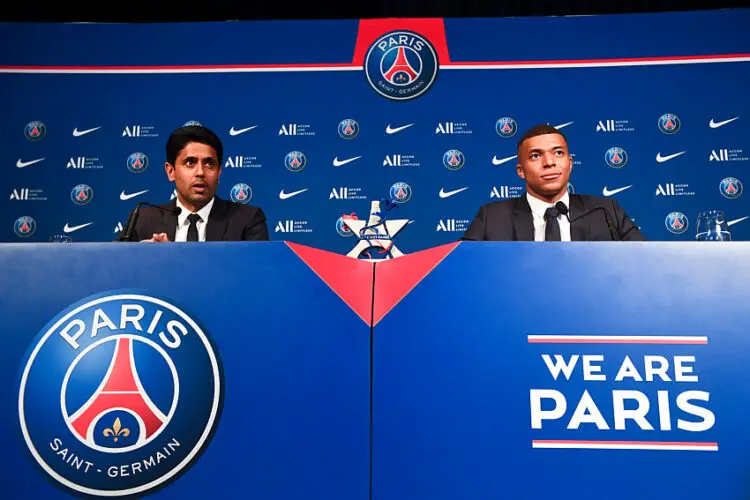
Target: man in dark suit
545, 164
194, 156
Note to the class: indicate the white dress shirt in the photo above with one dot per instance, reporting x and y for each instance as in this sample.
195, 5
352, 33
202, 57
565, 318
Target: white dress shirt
538, 207
183, 224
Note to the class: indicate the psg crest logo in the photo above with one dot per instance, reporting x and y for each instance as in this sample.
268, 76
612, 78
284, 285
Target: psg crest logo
119, 393
401, 65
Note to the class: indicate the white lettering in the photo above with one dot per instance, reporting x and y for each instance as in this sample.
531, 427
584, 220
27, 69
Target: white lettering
587, 413
538, 415
173, 328
72, 339
651, 370
589, 369
627, 369
560, 365
680, 371
101, 319
638, 414
125, 318
707, 415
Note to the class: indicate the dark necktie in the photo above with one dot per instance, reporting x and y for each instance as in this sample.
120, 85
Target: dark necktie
552, 229
192, 234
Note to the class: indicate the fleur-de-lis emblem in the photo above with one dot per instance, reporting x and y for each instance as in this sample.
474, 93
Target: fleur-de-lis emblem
117, 430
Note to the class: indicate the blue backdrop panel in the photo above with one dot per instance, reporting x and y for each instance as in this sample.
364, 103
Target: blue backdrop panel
678, 126
295, 418
456, 375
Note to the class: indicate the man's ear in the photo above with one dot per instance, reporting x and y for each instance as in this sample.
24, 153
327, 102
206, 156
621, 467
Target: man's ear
169, 169
520, 172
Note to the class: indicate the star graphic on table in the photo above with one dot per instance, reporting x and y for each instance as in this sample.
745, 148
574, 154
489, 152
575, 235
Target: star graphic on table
379, 236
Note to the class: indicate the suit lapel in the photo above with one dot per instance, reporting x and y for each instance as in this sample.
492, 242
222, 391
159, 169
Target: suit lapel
170, 221
523, 222
217, 220
579, 230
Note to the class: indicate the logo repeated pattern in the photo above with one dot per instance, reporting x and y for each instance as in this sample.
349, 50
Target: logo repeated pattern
394, 133
675, 157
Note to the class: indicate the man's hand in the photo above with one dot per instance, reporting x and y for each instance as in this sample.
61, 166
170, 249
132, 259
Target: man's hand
156, 238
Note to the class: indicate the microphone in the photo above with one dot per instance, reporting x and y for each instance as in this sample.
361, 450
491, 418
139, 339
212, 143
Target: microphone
127, 234
560, 206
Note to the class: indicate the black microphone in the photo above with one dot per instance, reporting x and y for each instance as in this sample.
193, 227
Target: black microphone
127, 234
564, 210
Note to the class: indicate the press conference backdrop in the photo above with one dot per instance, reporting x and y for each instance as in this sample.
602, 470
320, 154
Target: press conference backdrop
320, 117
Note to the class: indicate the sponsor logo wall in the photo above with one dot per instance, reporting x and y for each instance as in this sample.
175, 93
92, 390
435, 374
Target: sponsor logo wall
312, 141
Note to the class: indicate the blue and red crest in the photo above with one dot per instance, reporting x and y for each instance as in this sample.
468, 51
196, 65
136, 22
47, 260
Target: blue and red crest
24, 226
35, 131
81, 194
241, 193
119, 393
137, 163
669, 123
730, 188
348, 128
401, 65
676, 222
616, 157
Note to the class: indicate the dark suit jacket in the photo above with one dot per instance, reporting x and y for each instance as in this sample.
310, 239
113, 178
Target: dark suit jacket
228, 221
511, 220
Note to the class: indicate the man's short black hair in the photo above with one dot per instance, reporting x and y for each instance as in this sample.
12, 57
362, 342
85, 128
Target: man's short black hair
542, 129
182, 136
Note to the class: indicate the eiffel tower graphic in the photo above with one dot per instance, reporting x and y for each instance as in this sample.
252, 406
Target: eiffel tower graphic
121, 389
401, 71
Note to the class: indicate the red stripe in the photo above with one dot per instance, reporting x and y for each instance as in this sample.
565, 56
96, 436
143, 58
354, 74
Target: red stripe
615, 341
195, 66
562, 62
589, 61
657, 443
369, 30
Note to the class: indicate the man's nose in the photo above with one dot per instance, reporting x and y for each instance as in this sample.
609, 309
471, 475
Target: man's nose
549, 160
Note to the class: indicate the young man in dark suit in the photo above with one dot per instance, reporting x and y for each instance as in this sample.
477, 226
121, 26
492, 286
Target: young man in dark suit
545, 163
194, 156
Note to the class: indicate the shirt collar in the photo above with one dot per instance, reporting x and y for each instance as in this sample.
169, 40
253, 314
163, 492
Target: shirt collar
538, 207
203, 212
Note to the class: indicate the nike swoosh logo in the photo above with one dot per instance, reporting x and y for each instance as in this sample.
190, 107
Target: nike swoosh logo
662, 159
447, 194
735, 221
79, 133
338, 163
233, 131
558, 127
500, 161
714, 124
389, 130
607, 192
125, 197
70, 229
22, 164
284, 196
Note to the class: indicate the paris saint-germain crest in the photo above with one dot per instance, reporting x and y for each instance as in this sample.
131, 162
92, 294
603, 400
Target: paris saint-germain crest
119, 393
401, 65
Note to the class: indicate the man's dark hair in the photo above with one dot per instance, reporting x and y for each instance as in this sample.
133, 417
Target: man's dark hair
542, 129
193, 133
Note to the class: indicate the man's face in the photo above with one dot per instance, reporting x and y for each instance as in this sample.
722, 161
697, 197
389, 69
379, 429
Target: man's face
545, 164
195, 173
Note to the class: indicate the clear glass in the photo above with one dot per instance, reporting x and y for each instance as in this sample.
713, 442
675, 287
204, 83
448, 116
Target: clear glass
712, 226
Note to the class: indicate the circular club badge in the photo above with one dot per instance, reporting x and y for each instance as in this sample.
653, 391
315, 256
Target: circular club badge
120, 392
401, 65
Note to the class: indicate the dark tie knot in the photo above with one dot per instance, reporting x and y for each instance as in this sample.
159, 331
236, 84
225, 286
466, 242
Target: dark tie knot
194, 218
551, 213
